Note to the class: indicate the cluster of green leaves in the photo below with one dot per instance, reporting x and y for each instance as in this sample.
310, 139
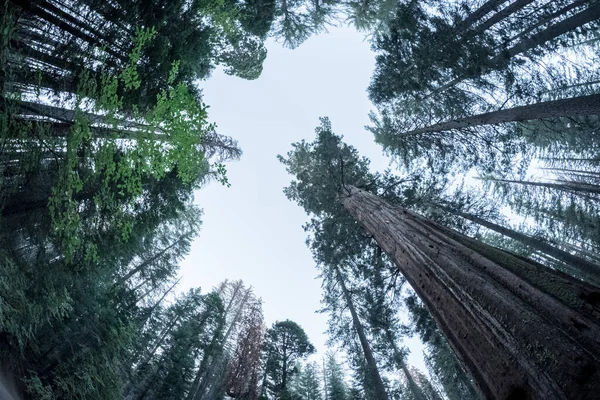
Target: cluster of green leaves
96, 214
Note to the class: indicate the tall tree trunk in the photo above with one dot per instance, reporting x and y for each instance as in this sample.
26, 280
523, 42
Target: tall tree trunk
478, 14
150, 260
564, 185
577, 264
412, 385
522, 330
364, 342
548, 18
213, 362
498, 17
202, 380
34, 9
590, 14
576, 106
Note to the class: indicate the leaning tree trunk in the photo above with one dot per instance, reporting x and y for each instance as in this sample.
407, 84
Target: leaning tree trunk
415, 389
364, 342
522, 330
588, 270
584, 17
576, 106
565, 186
498, 17
477, 15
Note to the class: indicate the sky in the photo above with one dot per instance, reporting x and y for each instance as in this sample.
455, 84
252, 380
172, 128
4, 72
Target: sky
250, 230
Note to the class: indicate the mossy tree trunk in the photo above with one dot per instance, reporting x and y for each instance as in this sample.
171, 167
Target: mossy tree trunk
523, 331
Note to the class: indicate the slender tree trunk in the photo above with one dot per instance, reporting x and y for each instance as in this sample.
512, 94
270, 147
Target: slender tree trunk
575, 172
240, 307
325, 381
498, 17
576, 106
564, 186
548, 18
364, 342
412, 385
39, 12
157, 303
590, 14
577, 264
478, 14
150, 260
196, 390
205, 374
522, 330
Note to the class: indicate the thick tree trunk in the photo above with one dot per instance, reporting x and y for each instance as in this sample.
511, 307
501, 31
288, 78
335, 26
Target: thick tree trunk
576, 106
577, 264
523, 331
364, 342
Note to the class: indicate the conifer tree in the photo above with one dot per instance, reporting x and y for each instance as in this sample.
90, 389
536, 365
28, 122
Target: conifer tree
498, 291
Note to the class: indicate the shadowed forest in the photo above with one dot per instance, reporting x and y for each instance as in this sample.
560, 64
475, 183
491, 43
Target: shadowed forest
482, 239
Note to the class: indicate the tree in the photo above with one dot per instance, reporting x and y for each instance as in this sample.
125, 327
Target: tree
585, 105
285, 344
243, 369
476, 293
440, 358
307, 383
374, 376
336, 387
362, 205
580, 266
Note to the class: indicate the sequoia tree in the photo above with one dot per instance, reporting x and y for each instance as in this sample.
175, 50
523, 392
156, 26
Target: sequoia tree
492, 305
521, 329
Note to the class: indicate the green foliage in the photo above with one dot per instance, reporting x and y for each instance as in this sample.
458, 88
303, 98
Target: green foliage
307, 383
336, 387
286, 343
96, 214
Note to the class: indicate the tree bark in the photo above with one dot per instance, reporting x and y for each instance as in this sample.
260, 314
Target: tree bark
523, 331
364, 342
576, 106
564, 185
577, 264
498, 17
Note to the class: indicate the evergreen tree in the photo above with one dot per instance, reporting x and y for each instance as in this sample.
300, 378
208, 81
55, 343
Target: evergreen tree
336, 386
505, 288
285, 344
307, 383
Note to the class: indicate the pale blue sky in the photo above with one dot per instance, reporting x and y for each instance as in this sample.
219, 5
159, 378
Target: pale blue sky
251, 231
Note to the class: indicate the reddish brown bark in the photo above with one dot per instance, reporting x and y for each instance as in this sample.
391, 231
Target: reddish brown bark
523, 331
